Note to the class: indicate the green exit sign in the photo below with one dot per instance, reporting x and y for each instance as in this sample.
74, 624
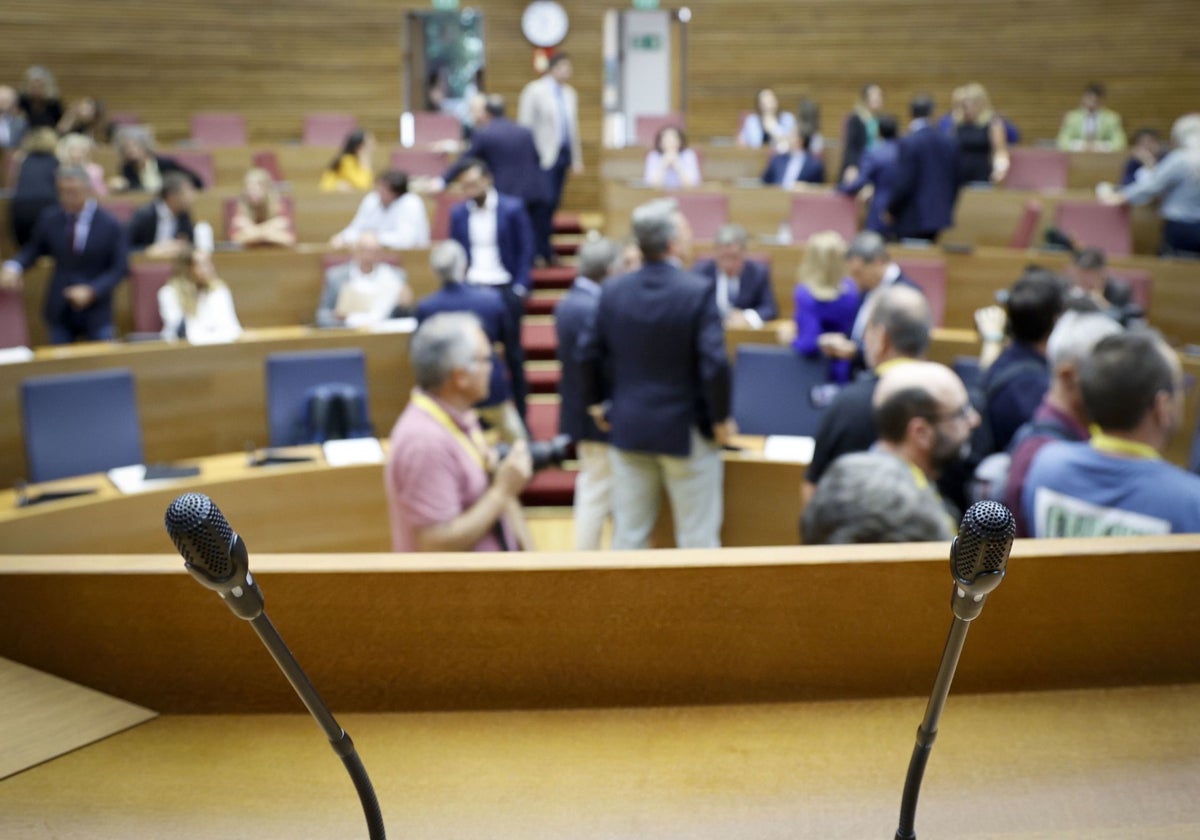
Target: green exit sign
445, 5
645, 4
646, 42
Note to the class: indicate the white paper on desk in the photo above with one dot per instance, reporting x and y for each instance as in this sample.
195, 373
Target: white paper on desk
395, 325
132, 479
15, 355
343, 453
789, 448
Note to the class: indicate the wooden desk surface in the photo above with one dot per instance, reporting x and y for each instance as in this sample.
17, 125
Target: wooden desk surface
1100, 765
312, 507
206, 399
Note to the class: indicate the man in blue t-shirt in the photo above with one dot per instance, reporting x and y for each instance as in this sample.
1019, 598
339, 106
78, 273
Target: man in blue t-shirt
1118, 484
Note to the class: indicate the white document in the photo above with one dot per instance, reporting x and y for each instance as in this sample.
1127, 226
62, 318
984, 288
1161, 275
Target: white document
132, 479
343, 453
15, 355
789, 448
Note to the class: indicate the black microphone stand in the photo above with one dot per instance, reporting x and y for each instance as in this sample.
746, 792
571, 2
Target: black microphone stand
338, 739
927, 731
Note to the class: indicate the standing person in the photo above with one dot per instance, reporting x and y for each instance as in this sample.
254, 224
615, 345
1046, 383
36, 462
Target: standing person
549, 108
494, 231
922, 203
573, 316
509, 151
658, 334
826, 301
982, 143
878, 169
35, 188
39, 98
861, 130
88, 247
445, 490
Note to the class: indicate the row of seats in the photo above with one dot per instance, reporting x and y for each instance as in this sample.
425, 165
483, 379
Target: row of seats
225, 128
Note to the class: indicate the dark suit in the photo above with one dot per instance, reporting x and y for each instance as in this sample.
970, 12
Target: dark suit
926, 188
514, 239
166, 166
660, 336
573, 317
509, 151
880, 168
488, 307
812, 171
99, 262
143, 226
754, 287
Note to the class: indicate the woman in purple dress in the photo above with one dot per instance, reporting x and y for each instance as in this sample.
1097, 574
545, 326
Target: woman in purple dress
826, 300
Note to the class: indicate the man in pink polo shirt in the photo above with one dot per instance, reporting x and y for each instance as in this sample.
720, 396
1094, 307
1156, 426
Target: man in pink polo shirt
441, 496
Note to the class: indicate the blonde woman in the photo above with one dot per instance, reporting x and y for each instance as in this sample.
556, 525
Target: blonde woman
826, 300
259, 216
195, 304
982, 143
76, 150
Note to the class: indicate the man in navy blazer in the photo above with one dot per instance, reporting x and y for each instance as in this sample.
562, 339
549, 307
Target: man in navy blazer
509, 151
926, 187
495, 232
796, 165
573, 318
168, 216
89, 251
742, 287
656, 374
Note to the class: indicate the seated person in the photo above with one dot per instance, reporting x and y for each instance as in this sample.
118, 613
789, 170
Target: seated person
1014, 384
808, 123
395, 215
826, 300
1117, 484
142, 169
671, 164
767, 125
871, 497
498, 408
39, 100
195, 304
350, 170
445, 491
1145, 152
795, 165
35, 188
364, 291
76, 150
877, 170
260, 216
743, 287
1092, 127
86, 116
163, 228
1111, 295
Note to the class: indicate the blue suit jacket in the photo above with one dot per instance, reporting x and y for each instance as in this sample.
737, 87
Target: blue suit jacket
486, 305
659, 337
812, 171
880, 167
508, 150
573, 318
514, 234
926, 184
754, 287
101, 263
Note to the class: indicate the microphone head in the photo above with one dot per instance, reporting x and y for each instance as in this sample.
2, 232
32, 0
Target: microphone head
979, 555
213, 553
201, 534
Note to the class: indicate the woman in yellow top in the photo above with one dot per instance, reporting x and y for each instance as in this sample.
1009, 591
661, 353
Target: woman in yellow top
351, 169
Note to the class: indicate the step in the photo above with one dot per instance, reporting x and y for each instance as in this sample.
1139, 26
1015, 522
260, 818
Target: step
542, 302
566, 248
553, 277
551, 486
538, 339
567, 222
543, 377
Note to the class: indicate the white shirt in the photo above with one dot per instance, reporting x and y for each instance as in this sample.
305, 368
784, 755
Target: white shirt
369, 298
215, 320
486, 268
168, 225
402, 224
727, 292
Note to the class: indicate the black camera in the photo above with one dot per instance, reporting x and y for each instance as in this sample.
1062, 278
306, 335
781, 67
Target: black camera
543, 453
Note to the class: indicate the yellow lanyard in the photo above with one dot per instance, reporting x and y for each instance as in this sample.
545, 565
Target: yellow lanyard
884, 367
475, 445
1120, 446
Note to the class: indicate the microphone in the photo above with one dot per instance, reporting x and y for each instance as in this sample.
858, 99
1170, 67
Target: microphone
978, 557
217, 557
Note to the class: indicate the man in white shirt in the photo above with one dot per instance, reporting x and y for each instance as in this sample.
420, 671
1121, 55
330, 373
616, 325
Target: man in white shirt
365, 290
396, 216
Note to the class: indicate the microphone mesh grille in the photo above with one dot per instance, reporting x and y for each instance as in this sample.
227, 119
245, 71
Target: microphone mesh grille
989, 525
200, 533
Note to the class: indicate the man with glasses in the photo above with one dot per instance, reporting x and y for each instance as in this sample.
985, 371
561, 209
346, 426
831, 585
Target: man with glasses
444, 488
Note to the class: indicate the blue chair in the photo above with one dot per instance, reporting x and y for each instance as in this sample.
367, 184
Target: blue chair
294, 380
80, 423
778, 392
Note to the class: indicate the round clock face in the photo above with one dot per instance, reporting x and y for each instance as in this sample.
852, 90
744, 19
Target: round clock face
544, 23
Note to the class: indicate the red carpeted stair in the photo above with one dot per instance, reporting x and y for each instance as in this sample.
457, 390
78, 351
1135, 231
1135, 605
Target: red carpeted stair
552, 486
